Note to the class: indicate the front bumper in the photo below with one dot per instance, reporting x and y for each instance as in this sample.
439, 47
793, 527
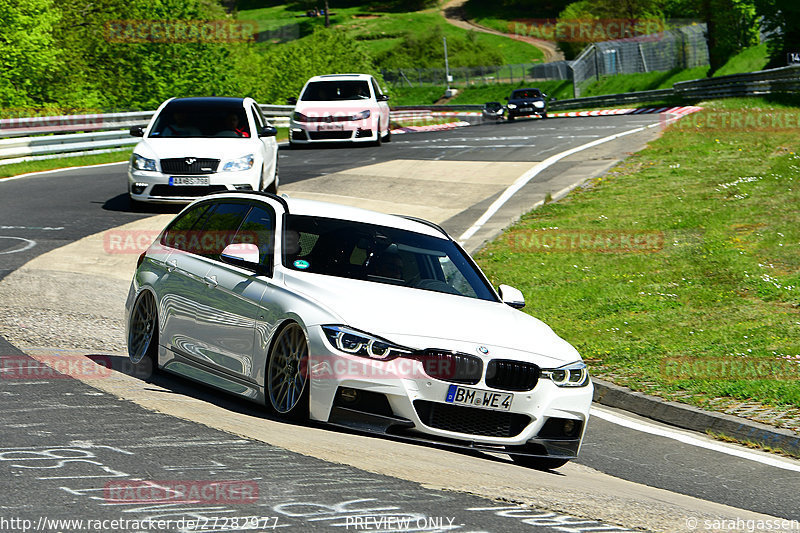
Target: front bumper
397, 398
310, 132
154, 187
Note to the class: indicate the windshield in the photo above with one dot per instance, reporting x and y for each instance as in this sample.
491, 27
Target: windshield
526, 93
381, 254
201, 119
326, 91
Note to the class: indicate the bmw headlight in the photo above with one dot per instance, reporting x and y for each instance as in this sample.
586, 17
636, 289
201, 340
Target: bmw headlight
352, 341
572, 375
142, 163
361, 116
299, 117
512, 106
243, 163
538, 104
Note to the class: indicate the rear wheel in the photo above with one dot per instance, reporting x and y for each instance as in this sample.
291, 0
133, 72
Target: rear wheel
539, 463
388, 137
287, 373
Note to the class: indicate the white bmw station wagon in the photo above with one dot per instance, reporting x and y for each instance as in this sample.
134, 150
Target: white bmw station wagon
374, 322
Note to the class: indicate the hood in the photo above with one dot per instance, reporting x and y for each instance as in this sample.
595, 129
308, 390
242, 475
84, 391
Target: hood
425, 319
222, 148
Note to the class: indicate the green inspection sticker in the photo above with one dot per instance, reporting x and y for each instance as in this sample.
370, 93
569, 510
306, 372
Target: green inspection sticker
302, 265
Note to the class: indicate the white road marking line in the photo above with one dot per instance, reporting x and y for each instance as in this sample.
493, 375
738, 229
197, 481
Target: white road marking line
530, 174
692, 441
28, 245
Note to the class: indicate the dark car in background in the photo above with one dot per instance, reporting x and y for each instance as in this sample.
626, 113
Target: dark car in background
493, 111
526, 103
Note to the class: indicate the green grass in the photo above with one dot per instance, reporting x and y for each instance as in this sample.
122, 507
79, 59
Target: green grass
380, 32
725, 286
750, 59
63, 162
644, 81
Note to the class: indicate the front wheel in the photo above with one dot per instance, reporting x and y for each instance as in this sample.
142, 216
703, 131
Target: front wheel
378, 135
143, 334
539, 463
273, 187
287, 373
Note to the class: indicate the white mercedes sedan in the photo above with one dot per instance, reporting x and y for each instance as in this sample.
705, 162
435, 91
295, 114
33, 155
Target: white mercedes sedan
379, 323
197, 146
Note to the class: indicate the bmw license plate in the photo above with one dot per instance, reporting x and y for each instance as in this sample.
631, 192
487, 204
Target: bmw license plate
499, 401
188, 180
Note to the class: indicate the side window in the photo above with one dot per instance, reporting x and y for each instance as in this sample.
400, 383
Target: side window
178, 234
259, 118
219, 229
258, 228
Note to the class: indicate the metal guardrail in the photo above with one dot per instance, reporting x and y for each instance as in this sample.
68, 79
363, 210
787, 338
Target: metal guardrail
33, 138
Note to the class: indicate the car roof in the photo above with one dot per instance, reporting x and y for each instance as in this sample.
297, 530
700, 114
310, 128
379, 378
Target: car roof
301, 206
210, 100
333, 77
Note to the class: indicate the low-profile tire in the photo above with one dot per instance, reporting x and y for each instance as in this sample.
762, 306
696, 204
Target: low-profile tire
286, 386
511, 117
273, 187
388, 137
544, 115
539, 463
143, 335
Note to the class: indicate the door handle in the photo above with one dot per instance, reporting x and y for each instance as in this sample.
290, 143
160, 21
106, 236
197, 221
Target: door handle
172, 265
211, 281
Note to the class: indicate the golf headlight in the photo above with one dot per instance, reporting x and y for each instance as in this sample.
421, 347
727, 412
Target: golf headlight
572, 375
243, 163
299, 117
512, 106
362, 115
142, 163
538, 104
356, 342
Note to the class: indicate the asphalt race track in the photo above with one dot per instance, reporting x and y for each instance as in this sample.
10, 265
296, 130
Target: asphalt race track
66, 443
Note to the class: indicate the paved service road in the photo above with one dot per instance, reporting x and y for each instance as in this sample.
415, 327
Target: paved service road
463, 170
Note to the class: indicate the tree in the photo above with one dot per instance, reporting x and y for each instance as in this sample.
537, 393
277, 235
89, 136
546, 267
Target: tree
27, 53
732, 26
781, 20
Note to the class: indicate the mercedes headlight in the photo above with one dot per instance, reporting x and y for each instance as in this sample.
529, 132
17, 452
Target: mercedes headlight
243, 163
572, 375
538, 104
142, 163
352, 341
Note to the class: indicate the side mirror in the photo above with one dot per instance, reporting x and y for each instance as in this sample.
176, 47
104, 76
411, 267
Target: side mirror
291, 101
244, 255
506, 98
268, 131
511, 296
137, 131
383, 97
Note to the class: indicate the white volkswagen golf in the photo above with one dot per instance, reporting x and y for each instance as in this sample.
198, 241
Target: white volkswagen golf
340, 108
376, 322
197, 146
